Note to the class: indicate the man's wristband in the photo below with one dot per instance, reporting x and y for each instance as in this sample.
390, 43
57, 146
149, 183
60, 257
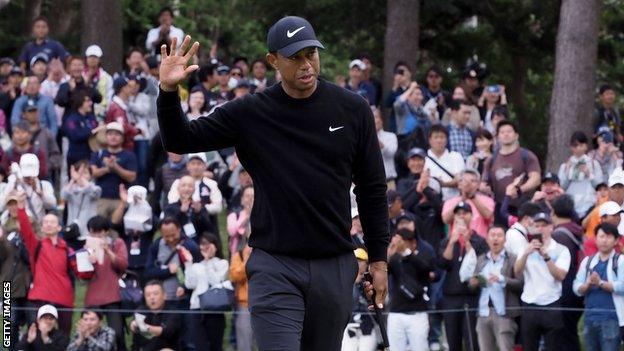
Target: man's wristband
546, 258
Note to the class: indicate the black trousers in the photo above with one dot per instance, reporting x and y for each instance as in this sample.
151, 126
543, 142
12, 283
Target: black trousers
209, 330
300, 304
537, 323
457, 328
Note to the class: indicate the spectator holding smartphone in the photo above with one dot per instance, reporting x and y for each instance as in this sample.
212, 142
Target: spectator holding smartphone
493, 96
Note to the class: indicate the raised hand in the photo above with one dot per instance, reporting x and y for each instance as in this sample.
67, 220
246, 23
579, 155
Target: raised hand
174, 67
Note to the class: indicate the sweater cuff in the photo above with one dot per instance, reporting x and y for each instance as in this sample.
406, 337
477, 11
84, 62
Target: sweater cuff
168, 98
377, 251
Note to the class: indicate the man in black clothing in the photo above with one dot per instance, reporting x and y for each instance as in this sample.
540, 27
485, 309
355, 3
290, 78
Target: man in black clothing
157, 330
457, 294
304, 142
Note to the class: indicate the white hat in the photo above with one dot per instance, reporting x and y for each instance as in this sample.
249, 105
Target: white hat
354, 212
47, 309
29, 165
357, 63
199, 155
115, 126
617, 177
609, 208
94, 50
136, 191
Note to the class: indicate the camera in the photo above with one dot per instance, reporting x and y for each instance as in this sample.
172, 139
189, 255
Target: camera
495, 89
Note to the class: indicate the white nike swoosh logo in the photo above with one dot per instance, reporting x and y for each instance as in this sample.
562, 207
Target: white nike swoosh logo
335, 129
291, 34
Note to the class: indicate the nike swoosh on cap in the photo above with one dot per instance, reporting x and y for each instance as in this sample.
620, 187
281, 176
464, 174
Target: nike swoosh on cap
291, 34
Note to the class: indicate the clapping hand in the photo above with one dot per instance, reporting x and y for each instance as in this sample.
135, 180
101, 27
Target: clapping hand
174, 68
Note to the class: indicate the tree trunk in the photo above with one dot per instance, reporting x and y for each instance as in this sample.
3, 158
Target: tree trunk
62, 18
32, 10
516, 91
401, 40
572, 99
102, 25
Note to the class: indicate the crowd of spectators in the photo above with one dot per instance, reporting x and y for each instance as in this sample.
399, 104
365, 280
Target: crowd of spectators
479, 231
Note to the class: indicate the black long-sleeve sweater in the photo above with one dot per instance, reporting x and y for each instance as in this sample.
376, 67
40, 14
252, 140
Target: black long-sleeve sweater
303, 155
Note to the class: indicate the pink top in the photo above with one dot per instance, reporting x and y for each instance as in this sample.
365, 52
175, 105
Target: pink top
236, 227
103, 287
479, 224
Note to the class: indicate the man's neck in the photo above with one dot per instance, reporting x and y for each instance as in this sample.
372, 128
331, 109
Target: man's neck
299, 94
495, 255
39, 40
605, 255
433, 88
34, 127
355, 83
508, 149
22, 148
438, 153
114, 149
560, 221
123, 97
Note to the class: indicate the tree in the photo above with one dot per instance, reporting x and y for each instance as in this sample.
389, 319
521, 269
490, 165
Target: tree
575, 74
401, 39
102, 25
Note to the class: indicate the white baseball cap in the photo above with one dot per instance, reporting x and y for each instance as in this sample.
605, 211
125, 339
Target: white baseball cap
94, 50
29, 165
617, 177
115, 126
47, 309
609, 208
199, 155
136, 191
357, 63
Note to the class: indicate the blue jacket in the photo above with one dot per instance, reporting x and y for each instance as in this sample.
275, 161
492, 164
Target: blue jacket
78, 129
152, 271
45, 106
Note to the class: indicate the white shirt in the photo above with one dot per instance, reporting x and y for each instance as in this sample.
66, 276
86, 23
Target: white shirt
540, 287
154, 33
515, 239
389, 141
453, 162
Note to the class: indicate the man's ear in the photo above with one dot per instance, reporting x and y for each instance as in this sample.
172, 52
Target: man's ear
272, 59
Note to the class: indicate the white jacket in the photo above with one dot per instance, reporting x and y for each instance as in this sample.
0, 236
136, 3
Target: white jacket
36, 204
204, 275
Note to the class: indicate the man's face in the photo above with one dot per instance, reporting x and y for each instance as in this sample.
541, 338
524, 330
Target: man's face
616, 193
544, 228
223, 78
437, 141
462, 116
356, 226
196, 168
186, 187
395, 208
154, 297
551, 189
48, 321
463, 215
355, 74
93, 62
21, 137
12, 207
259, 70
507, 136
5, 69
406, 77
578, 149
114, 138
170, 234
605, 242
416, 164
416, 97
197, 99
471, 83
608, 97
244, 179
91, 321
434, 80
31, 117
39, 68
247, 198
32, 86
468, 184
300, 71
132, 88
134, 60
75, 69
613, 219
165, 19
50, 225
40, 29
496, 239
459, 94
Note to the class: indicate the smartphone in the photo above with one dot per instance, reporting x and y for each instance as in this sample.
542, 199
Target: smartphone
493, 88
400, 71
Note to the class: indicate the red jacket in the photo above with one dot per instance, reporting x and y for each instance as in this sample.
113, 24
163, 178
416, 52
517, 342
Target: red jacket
118, 113
103, 287
51, 282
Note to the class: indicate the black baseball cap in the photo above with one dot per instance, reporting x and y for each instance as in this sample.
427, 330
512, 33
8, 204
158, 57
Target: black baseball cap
406, 234
416, 151
291, 34
462, 205
29, 106
392, 195
542, 217
550, 177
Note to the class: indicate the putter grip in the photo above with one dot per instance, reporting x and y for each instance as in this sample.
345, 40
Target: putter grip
378, 317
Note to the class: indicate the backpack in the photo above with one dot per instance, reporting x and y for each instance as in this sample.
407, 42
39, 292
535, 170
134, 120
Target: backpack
614, 264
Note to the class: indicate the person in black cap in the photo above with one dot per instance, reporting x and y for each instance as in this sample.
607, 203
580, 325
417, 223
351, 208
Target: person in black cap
607, 114
222, 89
304, 141
460, 332
606, 154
